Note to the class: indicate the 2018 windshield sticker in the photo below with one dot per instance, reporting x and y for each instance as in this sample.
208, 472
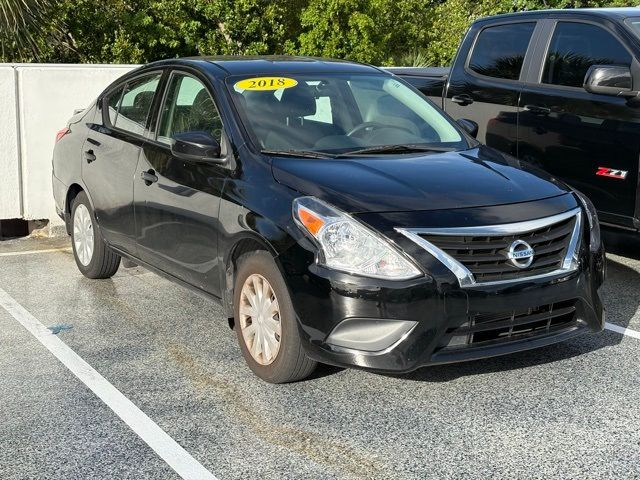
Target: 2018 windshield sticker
266, 83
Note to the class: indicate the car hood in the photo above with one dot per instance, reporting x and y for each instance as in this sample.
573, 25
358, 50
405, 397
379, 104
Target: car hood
478, 177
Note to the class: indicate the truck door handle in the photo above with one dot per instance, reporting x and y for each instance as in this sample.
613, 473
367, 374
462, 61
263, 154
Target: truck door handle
149, 177
537, 110
89, 156
462, 100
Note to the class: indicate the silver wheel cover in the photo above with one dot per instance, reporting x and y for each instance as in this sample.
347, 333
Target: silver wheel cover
83, 236
260, 319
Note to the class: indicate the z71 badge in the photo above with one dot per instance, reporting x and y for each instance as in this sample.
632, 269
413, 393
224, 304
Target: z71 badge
612, 173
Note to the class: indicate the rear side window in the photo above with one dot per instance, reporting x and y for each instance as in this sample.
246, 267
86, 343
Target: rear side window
135, 105
577, 46
499, 51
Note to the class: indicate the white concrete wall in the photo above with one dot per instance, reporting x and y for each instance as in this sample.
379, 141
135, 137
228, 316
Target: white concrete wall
9, 164
46, 97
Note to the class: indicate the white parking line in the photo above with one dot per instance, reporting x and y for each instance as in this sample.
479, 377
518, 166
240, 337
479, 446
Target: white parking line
624, 331
31, 252
166, 447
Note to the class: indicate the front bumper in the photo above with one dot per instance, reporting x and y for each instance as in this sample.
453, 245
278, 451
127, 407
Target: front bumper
438, 314
435, 309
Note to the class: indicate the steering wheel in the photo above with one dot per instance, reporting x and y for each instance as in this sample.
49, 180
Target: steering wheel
369, 127
365, 127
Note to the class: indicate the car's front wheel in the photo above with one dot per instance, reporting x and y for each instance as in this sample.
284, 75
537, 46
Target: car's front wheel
265, 322
93, 257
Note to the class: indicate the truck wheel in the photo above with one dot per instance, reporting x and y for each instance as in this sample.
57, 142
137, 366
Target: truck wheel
93, 257
266, 323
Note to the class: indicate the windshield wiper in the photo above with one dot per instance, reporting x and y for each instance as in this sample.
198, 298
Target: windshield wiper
298, 153
400, 148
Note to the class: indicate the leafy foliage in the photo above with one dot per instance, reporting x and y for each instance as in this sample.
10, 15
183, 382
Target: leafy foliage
400, 32
23, 24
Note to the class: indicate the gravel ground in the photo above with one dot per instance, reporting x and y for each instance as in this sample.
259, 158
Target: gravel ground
564, 411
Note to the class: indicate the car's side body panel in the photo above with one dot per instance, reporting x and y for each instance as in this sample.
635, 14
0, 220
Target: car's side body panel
67, 161
109, 178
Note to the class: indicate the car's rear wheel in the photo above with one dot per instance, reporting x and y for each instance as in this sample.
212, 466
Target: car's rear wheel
265, 322
93, 257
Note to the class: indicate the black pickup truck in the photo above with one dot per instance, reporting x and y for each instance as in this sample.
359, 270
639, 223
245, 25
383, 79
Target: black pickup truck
559, 89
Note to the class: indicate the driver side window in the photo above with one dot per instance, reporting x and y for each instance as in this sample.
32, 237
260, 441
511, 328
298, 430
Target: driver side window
188, 107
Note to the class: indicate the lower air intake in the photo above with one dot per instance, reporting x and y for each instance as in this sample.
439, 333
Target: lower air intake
487, 328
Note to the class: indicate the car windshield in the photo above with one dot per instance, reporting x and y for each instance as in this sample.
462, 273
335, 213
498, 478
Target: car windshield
340, 114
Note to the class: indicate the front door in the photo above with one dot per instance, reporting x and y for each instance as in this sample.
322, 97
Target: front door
486, 86
177, 202
591, 141
110, 155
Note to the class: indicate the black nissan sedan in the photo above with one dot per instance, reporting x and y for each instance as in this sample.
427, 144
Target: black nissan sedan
334, 211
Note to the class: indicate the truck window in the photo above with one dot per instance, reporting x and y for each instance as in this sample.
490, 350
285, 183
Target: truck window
575, 47
499, 51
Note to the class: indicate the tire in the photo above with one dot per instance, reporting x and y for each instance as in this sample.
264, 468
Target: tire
93, 258
290, 362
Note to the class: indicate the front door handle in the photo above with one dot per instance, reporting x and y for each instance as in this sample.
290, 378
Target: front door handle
462, 100
149, 177
89, 156
537, 110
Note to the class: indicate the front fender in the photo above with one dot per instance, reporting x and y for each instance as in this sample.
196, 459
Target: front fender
254, 218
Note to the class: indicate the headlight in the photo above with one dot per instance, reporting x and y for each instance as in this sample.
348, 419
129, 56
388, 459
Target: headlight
349, 246
594, 223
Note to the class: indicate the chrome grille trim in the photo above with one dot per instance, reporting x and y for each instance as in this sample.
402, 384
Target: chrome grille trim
464, 275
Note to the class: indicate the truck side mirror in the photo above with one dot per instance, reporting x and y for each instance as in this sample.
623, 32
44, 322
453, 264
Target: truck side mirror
468, 126
608, 80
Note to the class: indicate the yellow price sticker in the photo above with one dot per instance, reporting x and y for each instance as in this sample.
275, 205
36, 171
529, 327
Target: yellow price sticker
266, 83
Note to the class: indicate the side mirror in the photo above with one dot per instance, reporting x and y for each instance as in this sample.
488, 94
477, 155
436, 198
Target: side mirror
196, 146
608, 80
468, 126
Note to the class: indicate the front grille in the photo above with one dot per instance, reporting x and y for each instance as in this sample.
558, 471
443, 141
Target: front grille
485, 256
483, 328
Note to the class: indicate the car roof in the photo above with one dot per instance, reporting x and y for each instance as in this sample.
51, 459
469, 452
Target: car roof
269, 65
611, 13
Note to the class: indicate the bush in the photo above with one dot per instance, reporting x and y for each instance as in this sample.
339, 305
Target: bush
381, 32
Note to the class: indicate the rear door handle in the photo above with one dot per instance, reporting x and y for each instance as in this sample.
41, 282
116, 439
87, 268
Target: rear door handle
89, 156
462, 100
537, 110
149, 177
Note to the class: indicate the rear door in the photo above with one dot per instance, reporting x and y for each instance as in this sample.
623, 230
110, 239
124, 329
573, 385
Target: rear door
485, 86
575, 134
110, 155
177, 210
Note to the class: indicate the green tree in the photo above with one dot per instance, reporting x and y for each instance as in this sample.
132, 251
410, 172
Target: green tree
382, 32
250, 27
371, 31
139, 31
24, 27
